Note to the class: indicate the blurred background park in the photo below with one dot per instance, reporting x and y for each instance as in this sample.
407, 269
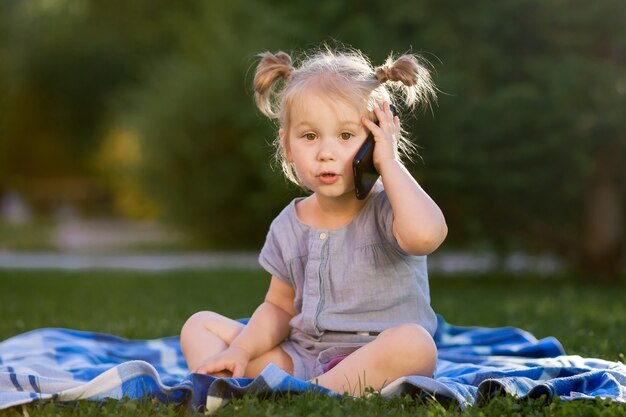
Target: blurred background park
136, 119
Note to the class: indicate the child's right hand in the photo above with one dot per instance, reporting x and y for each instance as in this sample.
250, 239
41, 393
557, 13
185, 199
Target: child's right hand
386, 134
233, 360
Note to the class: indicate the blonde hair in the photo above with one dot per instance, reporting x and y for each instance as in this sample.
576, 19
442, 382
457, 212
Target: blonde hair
347, 74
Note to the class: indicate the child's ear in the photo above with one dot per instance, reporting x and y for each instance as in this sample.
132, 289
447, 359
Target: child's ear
284, 145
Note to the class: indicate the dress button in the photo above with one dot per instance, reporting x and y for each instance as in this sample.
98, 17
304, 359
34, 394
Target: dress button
323, 235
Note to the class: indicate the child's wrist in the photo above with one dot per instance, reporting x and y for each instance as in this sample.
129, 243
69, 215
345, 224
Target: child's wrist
246, 352
385, 163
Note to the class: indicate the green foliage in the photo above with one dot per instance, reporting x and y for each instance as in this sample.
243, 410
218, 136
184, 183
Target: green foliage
531, 110
526, 106
64, 61
53, 102
525, 149
205, 151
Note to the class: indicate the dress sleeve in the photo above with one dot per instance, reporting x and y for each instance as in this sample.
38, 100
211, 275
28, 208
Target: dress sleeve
272, 258
384, 217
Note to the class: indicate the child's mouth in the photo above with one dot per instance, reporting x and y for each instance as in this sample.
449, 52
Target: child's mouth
328, 177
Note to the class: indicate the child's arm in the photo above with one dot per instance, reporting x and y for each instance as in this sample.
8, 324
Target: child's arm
419, 225
268, 326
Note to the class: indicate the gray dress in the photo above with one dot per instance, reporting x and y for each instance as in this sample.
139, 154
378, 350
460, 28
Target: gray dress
350, 283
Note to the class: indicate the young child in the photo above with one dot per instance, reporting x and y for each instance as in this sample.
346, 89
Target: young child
348, 305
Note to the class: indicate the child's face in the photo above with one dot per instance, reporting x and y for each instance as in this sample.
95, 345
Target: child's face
324, 133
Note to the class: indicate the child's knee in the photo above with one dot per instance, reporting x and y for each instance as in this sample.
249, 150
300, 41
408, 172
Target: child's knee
413, 346
206, 324
198, 321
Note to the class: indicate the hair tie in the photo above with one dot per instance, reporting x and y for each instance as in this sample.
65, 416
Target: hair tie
383, 73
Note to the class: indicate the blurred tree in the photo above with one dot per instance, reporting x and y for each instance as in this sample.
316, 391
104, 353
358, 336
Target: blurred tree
525, 150
4, 86
117, 158
204, 148
528, 141
508, 156
64, 60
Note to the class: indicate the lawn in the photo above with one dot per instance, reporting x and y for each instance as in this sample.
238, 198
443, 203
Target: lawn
588, 318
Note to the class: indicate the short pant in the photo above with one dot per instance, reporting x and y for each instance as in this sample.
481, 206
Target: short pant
312, 357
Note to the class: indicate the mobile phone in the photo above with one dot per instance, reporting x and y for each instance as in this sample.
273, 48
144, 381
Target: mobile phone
365, 174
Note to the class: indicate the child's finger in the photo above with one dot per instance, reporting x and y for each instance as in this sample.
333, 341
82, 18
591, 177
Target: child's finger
238, 370
371, 126
386, 118
212, 368
387, 107
203, 369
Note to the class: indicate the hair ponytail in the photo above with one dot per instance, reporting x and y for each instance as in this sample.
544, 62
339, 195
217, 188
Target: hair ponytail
408, 74
271, 69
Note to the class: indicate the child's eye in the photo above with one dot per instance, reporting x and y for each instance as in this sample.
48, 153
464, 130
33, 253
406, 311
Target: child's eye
310, 136
346, 136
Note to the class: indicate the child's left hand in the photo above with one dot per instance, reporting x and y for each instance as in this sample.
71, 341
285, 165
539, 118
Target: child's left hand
233, 360
386, 134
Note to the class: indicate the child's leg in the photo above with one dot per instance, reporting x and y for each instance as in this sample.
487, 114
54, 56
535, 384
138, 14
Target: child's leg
404, 350
206, 333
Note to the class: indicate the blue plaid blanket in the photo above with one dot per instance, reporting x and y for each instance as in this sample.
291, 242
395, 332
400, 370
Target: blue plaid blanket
474, 365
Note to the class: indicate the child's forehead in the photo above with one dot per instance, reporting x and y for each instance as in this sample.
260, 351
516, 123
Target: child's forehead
333, 98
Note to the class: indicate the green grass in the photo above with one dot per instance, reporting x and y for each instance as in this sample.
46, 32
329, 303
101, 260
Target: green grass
588, 318
127, 304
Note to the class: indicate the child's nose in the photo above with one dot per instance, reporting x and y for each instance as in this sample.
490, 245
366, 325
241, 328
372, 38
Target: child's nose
327, 150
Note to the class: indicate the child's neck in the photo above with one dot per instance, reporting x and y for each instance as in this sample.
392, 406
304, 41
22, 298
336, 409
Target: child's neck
329, 214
